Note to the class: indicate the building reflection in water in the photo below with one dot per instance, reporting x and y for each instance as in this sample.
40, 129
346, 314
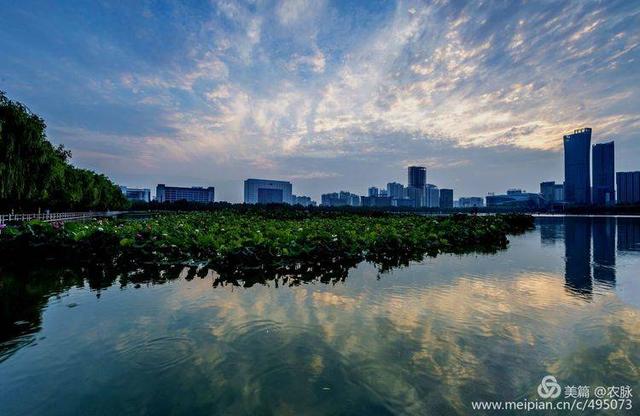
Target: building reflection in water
628, 234
550, 230
604, 251
577, 240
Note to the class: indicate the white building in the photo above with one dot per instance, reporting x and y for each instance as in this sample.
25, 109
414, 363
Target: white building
267, 191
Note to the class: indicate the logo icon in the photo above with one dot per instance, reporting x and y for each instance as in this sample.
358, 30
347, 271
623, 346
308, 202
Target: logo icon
549, 388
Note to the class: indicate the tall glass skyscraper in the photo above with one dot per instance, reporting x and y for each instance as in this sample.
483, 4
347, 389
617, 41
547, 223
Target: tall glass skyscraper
417, 176
577, 178
603, 174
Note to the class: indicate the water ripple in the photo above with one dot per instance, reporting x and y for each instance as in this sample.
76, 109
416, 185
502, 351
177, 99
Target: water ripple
159, 354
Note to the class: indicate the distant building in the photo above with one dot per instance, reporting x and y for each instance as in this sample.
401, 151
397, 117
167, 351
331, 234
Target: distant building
340, 199
547, 190
376, 201
403, 202
551, 192
267, 191
603, 174
373, 191
432, 196
628, 187
417, 176
136, 194
515, 198
176, 193
395, 190
352, 200
305, 201
417, 195
577, 180
446, 198
471, 202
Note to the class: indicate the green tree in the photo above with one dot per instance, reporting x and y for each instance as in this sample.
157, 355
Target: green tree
36, 174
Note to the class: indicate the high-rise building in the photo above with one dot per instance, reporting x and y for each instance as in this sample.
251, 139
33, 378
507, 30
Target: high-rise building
373, 191
395, 190
267, 191
416, 180
603, 174
417, 176
432, 196
577, 178
136, 194
446, 198
628, 187
177, 193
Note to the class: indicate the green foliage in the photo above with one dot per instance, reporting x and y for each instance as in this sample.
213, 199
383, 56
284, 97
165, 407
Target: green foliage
35, 174
234, 242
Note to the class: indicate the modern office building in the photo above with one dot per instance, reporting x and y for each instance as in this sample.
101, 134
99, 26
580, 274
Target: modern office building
515, 198
267, 191
471, 202
603, 174
395, 190
177, 193
373, 191
628, 187
432, 196
577, 178
136, 194
417, 176
446, 198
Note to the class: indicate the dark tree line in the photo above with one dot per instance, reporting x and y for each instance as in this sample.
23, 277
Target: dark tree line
36, 174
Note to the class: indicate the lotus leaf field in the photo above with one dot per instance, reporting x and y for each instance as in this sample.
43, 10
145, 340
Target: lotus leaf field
249, 245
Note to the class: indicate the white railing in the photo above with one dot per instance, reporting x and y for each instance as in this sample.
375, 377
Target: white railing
51, 216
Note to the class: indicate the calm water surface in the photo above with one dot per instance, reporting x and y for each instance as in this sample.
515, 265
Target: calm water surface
426, 339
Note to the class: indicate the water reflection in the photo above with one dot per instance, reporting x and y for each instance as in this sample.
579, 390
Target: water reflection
628, 234
425, 339
577, 240
604, 251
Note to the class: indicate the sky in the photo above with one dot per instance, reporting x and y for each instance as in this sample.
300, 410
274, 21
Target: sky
331, 95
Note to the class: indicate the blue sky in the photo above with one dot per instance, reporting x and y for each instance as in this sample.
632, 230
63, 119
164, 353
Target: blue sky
329, 95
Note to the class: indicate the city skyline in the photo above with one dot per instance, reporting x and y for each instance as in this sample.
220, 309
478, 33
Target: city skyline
328, 95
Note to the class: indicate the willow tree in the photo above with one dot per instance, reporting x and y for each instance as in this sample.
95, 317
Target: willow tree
34, 173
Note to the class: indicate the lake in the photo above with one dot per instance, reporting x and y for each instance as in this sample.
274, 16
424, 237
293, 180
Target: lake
431, 338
